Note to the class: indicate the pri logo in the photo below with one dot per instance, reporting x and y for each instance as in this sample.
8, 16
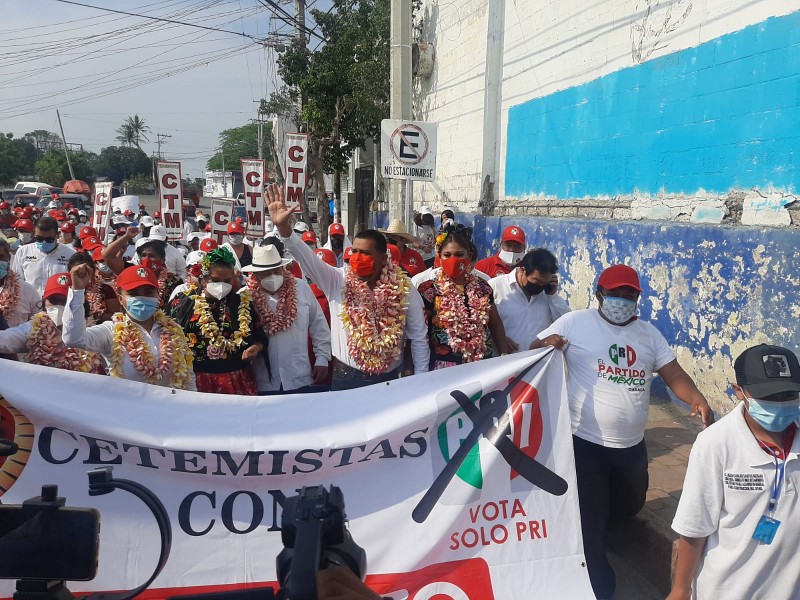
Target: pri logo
516, 434
515, 231
16, 427
141, 273
63, 280
620, 355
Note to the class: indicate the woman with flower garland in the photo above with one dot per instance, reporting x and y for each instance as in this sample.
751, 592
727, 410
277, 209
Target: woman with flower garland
222, 327
40, 337
19, 300
152, 254
462, 318
374, 307
290, 315
141, 344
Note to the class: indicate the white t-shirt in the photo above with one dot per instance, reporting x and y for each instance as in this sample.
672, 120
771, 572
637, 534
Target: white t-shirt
523, 317
726, 492
610, 371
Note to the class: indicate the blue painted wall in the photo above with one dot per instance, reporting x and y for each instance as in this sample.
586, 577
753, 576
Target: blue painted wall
723, 115
711, 290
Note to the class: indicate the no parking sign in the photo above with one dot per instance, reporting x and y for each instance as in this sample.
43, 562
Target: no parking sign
408, 150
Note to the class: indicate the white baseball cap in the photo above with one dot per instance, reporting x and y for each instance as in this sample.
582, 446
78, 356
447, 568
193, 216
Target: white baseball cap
146, 221
158, 232
301, 227
194, 257
425, 210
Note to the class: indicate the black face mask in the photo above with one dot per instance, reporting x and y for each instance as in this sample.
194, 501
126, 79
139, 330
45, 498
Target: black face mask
535, 288
336, 243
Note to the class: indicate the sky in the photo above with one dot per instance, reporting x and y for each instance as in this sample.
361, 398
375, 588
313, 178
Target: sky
99, 67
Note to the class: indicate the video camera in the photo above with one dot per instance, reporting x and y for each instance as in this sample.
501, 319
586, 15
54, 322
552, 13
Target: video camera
43, 543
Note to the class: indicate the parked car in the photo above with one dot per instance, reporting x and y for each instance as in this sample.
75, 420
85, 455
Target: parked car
31, 187
26, 200
9, 195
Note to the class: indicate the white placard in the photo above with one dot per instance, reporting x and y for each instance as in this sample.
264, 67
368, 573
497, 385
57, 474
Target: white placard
221, 216
253, 175
102, 208
170, 193
296, 161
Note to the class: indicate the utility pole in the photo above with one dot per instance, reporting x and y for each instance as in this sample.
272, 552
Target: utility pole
160, 137
400, 99
63, 139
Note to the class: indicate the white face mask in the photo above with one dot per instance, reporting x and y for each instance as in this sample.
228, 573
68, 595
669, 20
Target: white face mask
56, 314
272, 283
25, 237
236, 239
218, 289
511, 258
618, 310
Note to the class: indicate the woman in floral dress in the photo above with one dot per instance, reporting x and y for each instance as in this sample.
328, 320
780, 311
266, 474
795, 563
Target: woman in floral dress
222, 327
462, 318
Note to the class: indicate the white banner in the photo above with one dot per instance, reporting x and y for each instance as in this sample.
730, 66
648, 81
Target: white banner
170, 193
296, 160
222, 466
101, 208
253, 176
124, 203
221, 216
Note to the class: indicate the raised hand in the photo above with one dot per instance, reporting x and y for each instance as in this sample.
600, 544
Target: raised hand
279, 213
82, 276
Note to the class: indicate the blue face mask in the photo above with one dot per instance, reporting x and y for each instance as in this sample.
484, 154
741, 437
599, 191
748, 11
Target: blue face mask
46, 247
3, 268
773, 416
14, 243
141, 308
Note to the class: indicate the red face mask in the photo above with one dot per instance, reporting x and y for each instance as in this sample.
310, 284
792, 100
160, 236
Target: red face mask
154, 265
455, 267
362, 264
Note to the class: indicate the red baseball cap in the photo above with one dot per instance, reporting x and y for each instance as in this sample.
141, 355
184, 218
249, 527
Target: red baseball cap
236, 227
97, 253
67, 205
618, 276
4, 206
346, 254
326, 256
27, 212
207, 245
57, 285
136, 276
309, 236
336, 229
90, 243
394, 252
87, 232
156, 215
24, 225
68, 227
128, 213
513, 233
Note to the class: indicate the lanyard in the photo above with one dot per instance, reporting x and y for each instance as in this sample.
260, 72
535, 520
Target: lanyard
780, 467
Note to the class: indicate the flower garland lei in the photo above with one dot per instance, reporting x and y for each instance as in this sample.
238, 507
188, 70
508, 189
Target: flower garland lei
464, 323
47, 349
374, 319
164, 279
9, 297
173, 350
218, 346
285, 312
97, 302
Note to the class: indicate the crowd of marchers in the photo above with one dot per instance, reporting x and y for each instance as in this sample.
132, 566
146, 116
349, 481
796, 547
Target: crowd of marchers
281, 315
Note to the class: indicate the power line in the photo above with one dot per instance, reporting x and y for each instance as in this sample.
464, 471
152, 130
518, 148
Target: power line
130, 14
289, 18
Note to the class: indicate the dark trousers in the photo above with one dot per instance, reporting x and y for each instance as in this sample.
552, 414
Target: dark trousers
346, 377
612, 485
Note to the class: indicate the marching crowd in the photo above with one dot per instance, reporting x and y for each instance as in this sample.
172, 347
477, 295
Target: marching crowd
282, 315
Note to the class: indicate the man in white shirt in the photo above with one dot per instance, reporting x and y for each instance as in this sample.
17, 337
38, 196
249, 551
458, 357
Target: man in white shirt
354, 366
527, 298
739, 511
291, 316
611, 356
45, 257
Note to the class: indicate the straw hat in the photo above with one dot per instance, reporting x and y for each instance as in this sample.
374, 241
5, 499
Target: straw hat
398, 229
266, 258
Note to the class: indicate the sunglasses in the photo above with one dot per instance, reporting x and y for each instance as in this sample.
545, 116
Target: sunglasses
47, 240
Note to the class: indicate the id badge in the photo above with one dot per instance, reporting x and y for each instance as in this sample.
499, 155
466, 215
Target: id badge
766, 529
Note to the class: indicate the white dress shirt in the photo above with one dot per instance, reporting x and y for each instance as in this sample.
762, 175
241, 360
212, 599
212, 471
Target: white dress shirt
524, 318
36, 267
100, 339
27, 305
14, 340
288, 350
331, 281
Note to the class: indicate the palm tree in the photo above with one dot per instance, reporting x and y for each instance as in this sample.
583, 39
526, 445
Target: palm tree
125, 135
139, 129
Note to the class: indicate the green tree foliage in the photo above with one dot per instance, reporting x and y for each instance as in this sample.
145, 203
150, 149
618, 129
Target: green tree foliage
120, 163
17, 158
344, 85
132, 131
43, 140
238, 143
139, 185
52, 168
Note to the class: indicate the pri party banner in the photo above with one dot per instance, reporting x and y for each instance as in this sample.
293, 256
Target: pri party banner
221, 216
171, 198
253, 176
296, 159
101, 208
503, 526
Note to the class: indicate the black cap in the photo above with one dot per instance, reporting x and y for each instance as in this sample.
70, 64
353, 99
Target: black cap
766, 370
